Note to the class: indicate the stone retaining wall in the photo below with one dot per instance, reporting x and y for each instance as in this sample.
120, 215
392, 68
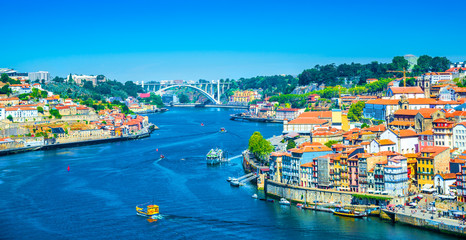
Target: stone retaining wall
430, 224
301, 194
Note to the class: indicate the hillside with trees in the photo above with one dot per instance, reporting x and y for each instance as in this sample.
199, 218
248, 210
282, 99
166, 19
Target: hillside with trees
332, 74
99, 92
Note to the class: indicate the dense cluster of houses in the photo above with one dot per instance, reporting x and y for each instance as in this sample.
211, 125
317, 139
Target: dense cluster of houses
421, 147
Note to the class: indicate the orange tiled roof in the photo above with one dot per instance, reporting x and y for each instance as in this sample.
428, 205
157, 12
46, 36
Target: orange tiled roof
401, 123
442, 120
435, 150
384, 142
401, 90
309, 164
378, 128
448, 175
316, 114
405, 133
383, 101
421, 101
308, 120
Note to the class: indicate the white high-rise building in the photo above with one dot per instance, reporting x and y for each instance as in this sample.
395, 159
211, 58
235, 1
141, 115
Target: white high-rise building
40, 75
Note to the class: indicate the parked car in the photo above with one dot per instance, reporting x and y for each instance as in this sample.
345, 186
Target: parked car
432, 209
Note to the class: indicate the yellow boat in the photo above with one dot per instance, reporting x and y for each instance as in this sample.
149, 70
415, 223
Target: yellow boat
151, 211
349, 213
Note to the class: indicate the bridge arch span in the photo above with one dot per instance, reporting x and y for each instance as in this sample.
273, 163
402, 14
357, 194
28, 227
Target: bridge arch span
210, 97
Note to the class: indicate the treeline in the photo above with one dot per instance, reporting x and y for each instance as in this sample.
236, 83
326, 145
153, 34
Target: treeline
99, 92
332, 74
270, 85
300, 100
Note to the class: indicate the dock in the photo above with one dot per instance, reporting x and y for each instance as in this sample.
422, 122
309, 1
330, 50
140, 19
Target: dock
236, 182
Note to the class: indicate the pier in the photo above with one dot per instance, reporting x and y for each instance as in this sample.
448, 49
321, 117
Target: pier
236, 182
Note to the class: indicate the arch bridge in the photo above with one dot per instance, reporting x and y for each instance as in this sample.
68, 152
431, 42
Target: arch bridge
211, 97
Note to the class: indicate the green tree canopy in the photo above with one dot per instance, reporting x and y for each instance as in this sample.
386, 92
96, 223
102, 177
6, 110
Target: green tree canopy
260, 147
183, 98
355, 111
291, 144
330, 143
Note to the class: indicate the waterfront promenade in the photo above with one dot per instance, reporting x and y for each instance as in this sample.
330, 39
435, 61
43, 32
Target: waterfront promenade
76, 141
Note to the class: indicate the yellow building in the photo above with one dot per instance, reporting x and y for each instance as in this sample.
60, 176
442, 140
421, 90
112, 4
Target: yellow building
412, 165
244, 96
430, 161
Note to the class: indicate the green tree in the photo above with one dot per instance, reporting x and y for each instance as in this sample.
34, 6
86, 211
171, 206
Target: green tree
355, 111
5, 90
330, 143
410, 82
4, 78
54, 112
10, 118
291, 144
260, 147
399, 62
40, 109
43, 94
364, 125
183, 98
88, 85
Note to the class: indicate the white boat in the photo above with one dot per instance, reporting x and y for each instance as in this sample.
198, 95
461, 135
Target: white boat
235, 183
283, 201
254, 196
215, 156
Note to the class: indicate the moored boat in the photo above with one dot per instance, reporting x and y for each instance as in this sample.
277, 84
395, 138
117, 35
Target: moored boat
283, 201
254, 196
215, 156
348, 213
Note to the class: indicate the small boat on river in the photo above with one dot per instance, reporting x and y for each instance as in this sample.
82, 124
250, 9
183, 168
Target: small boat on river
348, 213
150, 211
215, 156
223, 130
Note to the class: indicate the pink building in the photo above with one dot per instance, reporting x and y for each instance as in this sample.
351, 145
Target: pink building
353, 175
426, 139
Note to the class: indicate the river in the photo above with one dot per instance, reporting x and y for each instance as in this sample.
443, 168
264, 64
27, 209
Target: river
41, 199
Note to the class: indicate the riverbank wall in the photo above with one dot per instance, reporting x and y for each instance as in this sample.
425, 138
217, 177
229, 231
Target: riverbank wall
308, 195
77, 143
425, 223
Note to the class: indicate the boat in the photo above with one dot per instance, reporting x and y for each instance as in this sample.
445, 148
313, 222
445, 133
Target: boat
148, 210
348, 213
235, 183
309, 207
223, 129
299, 205
283, 201
254, 196
270, 200
162, 156
231, 179
215, 156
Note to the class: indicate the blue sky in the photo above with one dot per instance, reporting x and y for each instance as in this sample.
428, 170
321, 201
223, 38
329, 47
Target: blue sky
156, 40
